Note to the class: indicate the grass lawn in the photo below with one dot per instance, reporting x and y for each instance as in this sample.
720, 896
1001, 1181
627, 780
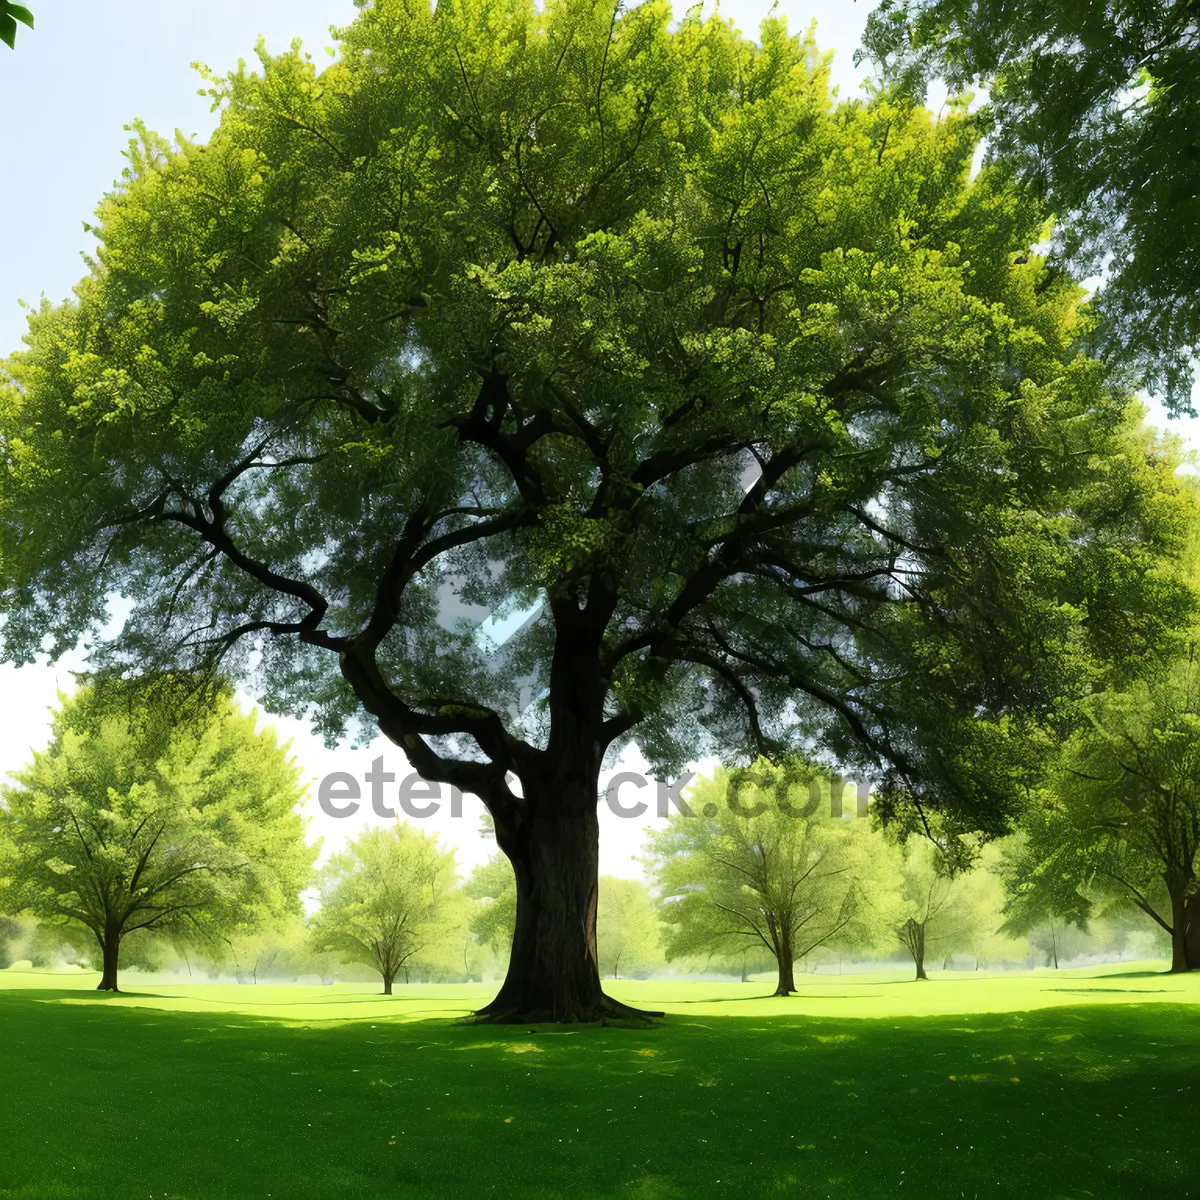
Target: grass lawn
1058, 1084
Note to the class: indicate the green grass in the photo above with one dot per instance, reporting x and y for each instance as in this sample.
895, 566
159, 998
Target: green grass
1059, 1084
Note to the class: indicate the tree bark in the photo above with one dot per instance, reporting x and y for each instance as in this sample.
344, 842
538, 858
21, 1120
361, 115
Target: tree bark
1191, 932
914, 936
787, 981
388, 980
553, 843
110, 949
1185, 930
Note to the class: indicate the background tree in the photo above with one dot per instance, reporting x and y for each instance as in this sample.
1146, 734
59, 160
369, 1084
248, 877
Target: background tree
494, 888
1122, 818
10, 930
790, 878
1096, 103
385, 899
943, 909
628, 931
153, 809
267, 947
764, 411
10, 14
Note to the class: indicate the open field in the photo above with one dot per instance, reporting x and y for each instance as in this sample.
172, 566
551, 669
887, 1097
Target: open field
1059, 1084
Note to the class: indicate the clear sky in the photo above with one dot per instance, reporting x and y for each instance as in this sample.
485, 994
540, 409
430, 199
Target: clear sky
66, 94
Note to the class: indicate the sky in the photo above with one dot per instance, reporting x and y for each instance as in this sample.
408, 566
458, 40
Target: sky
66, 95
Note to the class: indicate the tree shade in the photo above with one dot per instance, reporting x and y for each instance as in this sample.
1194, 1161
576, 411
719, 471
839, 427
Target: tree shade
763, 410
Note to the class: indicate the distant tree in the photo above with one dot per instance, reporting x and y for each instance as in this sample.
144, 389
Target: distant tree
1096, 104
385, 900
790, 877
628, 931
153, 810
1122, 817
763, 404
494, 887
943, 908
10, 14
10, 930
266, 947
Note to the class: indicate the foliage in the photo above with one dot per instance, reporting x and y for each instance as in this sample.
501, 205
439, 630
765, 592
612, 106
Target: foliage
494, 887
1122, 818
628, 931
943, 909
387, 901
643, 322
10, 14
153, 811
785, 878
1096, 103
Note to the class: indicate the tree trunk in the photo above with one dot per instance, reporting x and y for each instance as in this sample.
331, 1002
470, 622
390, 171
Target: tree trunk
787, 981
553, 843
388, 980
1191, 932
915, 938
1185, 930
110, 949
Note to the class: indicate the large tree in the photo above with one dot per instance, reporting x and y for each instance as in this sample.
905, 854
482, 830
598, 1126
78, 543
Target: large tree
762, 862
1096, 103
151, 811
388, 899
761, 408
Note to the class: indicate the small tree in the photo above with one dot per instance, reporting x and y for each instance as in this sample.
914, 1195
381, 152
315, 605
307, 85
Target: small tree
628, 931
943, 909
384, 899
763, 866
494, 887
153, 809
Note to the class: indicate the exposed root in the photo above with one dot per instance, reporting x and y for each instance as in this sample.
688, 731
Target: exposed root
605, 1011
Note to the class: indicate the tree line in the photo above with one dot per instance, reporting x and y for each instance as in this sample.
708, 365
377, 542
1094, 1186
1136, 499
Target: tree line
159, 822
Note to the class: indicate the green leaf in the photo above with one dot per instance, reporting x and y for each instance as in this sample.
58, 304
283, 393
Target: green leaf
21, 13
8, 30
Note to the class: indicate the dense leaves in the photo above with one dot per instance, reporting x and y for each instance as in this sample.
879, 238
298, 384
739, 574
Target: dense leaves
1122, 819
772, 412
137, 819
388, 899
1097, 103
759, 861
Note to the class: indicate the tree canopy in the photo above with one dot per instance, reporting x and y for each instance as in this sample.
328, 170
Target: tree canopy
1096, 102
1121, 817
628, 931
147, 813
765, 864
387, 899
763, 409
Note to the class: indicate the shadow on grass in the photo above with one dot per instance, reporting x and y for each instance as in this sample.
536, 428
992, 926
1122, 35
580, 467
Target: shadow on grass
236, 1105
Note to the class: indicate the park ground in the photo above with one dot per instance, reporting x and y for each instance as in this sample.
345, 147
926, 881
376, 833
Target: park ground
1070, 1084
